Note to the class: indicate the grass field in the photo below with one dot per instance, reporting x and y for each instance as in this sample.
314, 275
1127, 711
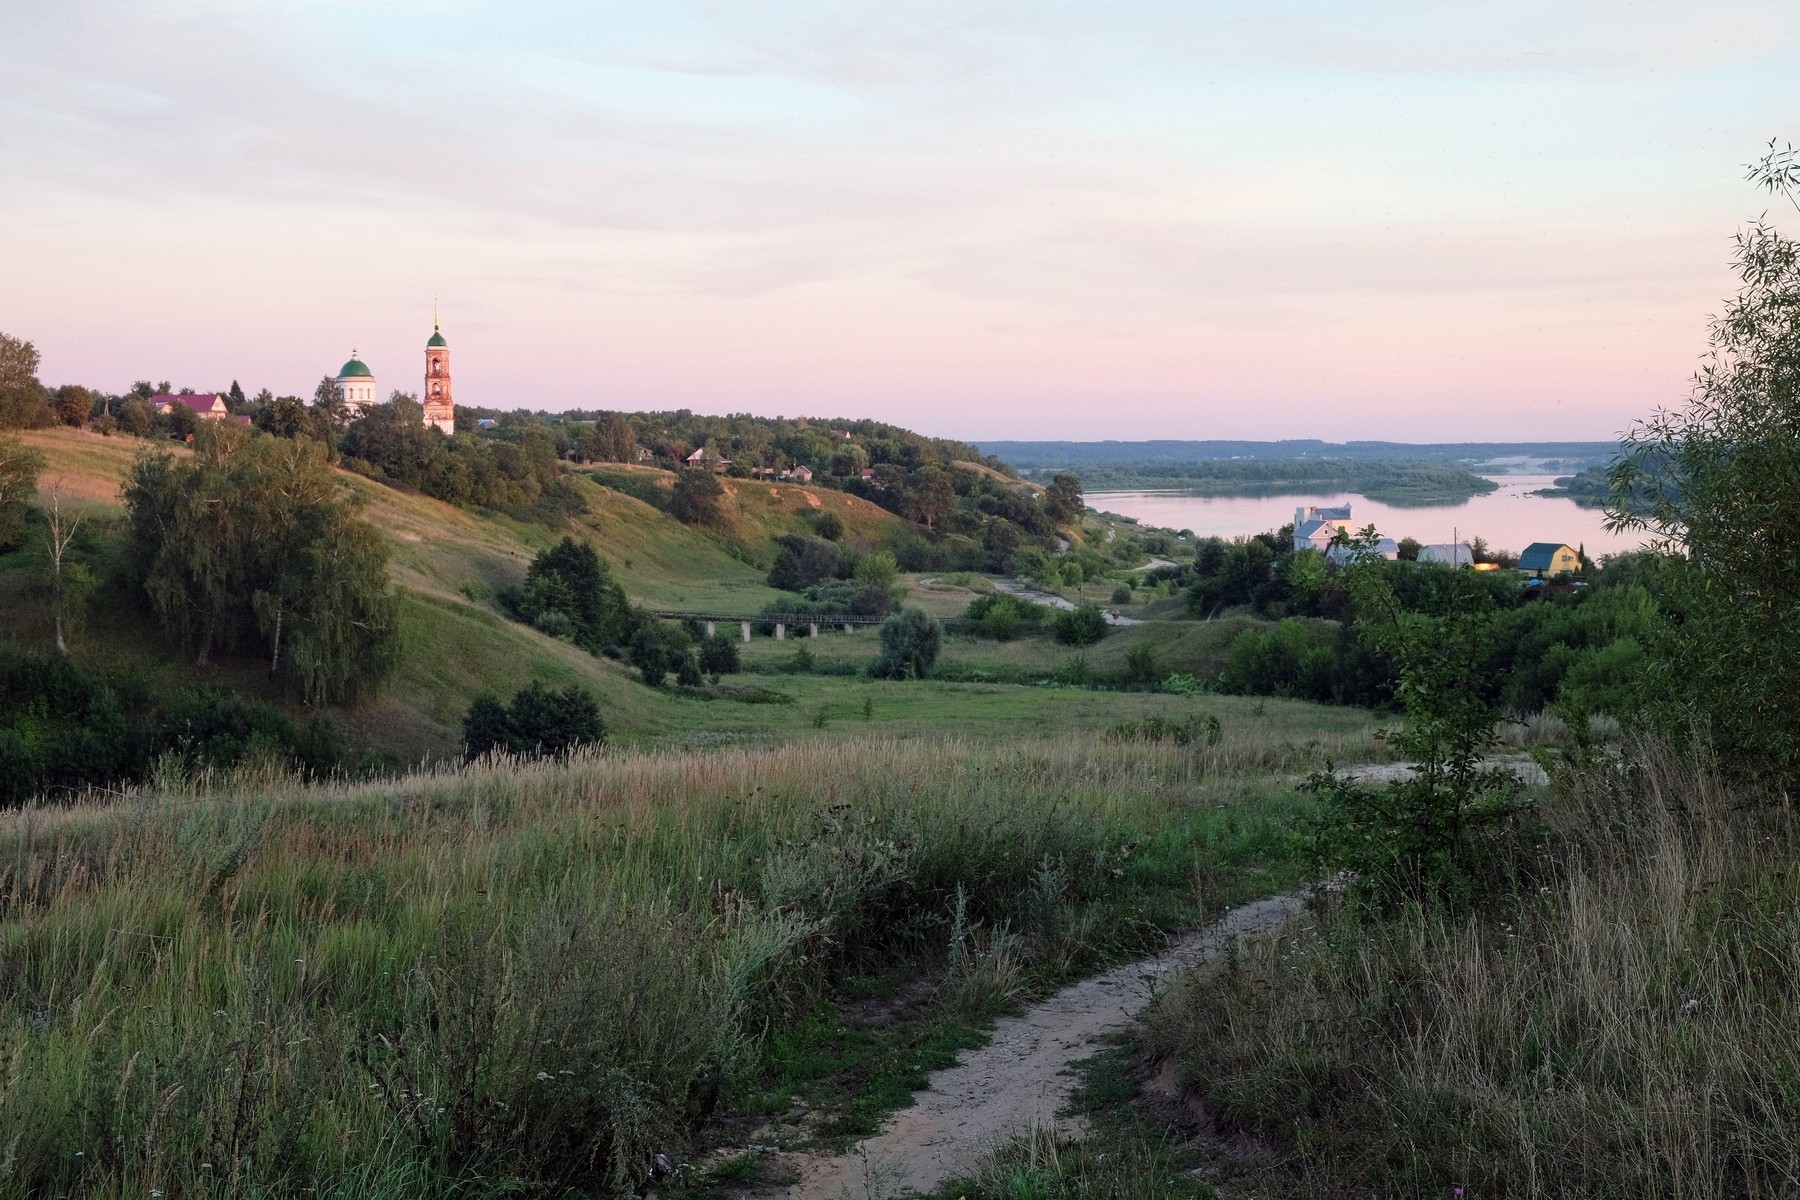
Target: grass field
522, 979
1625, 1022
449, 564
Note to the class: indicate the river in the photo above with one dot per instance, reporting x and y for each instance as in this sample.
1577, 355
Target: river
1509, 519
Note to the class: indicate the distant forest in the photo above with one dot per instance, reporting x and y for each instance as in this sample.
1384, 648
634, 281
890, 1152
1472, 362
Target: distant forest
1391, 472
1050, 456
1389, 482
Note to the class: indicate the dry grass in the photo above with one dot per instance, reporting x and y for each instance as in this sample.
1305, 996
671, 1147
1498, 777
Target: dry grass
1627, 1025
524, 978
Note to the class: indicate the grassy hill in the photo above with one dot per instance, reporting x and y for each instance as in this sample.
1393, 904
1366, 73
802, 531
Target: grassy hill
449, 563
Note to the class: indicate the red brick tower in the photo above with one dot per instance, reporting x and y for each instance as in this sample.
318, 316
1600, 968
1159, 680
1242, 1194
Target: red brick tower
440, 409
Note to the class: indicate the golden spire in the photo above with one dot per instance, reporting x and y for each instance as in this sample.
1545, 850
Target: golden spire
434, 314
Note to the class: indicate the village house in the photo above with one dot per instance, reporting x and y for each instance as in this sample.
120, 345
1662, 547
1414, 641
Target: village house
698, 459
208, 405
803, 474
1316, 528
1546, 560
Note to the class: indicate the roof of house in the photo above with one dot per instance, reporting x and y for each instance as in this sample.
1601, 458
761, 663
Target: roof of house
1456, 553
1387, 547
200, 402
1310, 530
1539, 555
1340, 513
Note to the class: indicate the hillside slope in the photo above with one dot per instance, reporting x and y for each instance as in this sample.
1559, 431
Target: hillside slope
447, 564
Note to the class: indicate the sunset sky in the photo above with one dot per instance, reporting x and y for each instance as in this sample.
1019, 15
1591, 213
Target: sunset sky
1149, 218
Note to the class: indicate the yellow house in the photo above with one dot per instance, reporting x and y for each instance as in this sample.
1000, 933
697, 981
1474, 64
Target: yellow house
1546, 560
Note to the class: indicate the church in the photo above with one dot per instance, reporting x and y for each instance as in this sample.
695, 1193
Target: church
358, 383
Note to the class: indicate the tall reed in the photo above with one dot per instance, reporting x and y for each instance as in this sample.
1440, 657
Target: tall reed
524, 977
1628, 1025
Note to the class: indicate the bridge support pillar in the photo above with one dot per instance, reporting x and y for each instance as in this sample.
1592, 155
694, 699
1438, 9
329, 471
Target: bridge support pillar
746, 631
812, 630
780, 631
712, 628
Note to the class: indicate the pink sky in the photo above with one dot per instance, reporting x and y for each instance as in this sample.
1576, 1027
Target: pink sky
1149, 219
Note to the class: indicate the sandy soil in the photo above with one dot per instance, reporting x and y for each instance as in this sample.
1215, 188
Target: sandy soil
1018, 1080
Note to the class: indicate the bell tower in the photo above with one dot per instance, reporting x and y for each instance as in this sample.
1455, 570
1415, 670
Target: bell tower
440, 408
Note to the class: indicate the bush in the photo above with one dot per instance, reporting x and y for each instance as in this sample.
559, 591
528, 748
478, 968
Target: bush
1001, 616
1195, 730
1122, 594
910, 642
659, 648
19, 469
829, 525
719, 655
1141, 665
1081, 627
540, 721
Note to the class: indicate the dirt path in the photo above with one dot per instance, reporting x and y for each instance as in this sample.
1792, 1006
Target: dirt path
1019, 1079
1521, 765
1025, 591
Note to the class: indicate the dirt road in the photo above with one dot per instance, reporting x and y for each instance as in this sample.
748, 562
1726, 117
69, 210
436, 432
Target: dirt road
1019, 1079
1025, 591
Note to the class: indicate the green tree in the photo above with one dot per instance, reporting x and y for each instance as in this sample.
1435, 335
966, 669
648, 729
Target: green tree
72, 403
136, 417
719, 655
1715, 484
1427, 833
540, 721
21, 395
20, 466
251, 540
284, 416
571, 579
1062, 499
930, 495
698, 497
910, 642
829, 526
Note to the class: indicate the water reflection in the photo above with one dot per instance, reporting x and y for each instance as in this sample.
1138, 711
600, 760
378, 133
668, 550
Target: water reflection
1509, 519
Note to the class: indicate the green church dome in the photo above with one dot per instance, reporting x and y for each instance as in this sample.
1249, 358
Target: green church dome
437, 342
356, 369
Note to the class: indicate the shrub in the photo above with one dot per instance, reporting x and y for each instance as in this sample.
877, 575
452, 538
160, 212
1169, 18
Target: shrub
910, 642
19, 469
1081, 627
719, 655
829, 525
540, 721
1122, 594
1435, 832
1194, 730
1141, 665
